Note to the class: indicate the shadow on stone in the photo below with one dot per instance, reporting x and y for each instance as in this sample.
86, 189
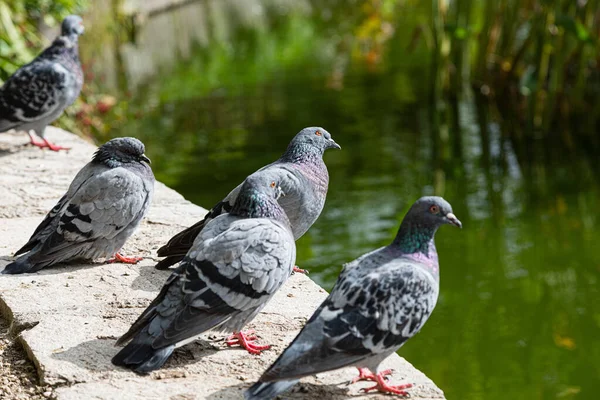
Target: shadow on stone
95, 355
301, 390
150, 279
92, 356
56, 269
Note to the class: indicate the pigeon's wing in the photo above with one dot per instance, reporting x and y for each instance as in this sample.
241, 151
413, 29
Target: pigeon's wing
53, 216
101, 209
181, 243
367, 314
32, 93
235, 266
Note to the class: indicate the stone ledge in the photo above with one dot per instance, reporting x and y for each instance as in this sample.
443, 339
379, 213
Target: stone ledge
69, 317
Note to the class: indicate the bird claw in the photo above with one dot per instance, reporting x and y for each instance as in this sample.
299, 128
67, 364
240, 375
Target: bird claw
383, 387
246, 340
125, 260
299, 271
46, 144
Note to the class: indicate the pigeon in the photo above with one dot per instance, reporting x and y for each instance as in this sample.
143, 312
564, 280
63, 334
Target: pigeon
379, 301
305, 184
101, 209
39, 92
236, 264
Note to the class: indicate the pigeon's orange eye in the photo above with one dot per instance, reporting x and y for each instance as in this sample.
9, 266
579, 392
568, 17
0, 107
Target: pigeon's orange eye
273, 184
318, 133
434, 209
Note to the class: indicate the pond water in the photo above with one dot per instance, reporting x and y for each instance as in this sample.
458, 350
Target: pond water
518, 315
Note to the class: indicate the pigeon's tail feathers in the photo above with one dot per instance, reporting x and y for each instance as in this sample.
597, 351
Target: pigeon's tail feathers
148, 315
167, 262
178, 246
311, 353
268, 390
142, 357
6, 125
21, 265
27, 247
181, 243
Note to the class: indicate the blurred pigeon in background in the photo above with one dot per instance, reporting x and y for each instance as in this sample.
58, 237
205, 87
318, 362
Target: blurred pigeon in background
236, 264
39, 92
379, 301
101, 209
305, 184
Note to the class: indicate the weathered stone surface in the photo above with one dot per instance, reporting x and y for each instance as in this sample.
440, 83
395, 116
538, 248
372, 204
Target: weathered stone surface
70, 316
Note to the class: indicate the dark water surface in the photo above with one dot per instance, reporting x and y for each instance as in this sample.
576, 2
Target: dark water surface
519, 314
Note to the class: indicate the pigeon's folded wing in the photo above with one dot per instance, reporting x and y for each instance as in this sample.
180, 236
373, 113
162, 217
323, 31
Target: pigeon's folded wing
47, 226
234, 267
364, 316
101, 208
32, 93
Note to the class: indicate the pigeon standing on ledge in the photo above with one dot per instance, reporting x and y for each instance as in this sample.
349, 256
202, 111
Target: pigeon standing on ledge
379, 301
39, 92
305, 182
235, 266
101, 209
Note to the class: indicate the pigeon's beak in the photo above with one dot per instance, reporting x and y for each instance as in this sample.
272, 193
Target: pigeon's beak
334, 145
453, 220
144, 158
280, 192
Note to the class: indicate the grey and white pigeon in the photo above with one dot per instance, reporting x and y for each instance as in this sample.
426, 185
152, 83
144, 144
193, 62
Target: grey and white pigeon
102, 208
237, 263
379, 301
39, 92
305, 183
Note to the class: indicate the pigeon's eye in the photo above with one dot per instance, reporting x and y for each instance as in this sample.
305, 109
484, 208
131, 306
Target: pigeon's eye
318, 133
273, 184
434, 209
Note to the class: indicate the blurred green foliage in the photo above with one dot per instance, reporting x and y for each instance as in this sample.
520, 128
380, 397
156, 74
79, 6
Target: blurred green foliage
20, 38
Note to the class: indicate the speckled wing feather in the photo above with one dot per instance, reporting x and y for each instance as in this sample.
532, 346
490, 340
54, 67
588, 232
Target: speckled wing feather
103, 207
33, 93
370, 313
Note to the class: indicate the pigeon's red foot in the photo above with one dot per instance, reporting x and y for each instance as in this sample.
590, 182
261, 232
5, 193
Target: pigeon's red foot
125, 260
246, 340
365, 375
54, 147
44, 143
299, 271
383, 387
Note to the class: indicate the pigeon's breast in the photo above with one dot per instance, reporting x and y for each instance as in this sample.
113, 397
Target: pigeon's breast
305, 198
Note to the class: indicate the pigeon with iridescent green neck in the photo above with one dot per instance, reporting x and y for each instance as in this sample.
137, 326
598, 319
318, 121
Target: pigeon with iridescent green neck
305, 181
379, 301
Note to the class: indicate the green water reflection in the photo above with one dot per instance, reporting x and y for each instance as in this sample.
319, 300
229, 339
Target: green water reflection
518, 315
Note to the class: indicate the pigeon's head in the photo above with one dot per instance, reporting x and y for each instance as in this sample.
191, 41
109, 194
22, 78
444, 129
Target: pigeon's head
121, 151
258, 197
72, 25
314, 137
267, 183
432, 211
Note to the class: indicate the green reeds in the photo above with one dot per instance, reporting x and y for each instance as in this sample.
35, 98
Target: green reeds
536, 57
